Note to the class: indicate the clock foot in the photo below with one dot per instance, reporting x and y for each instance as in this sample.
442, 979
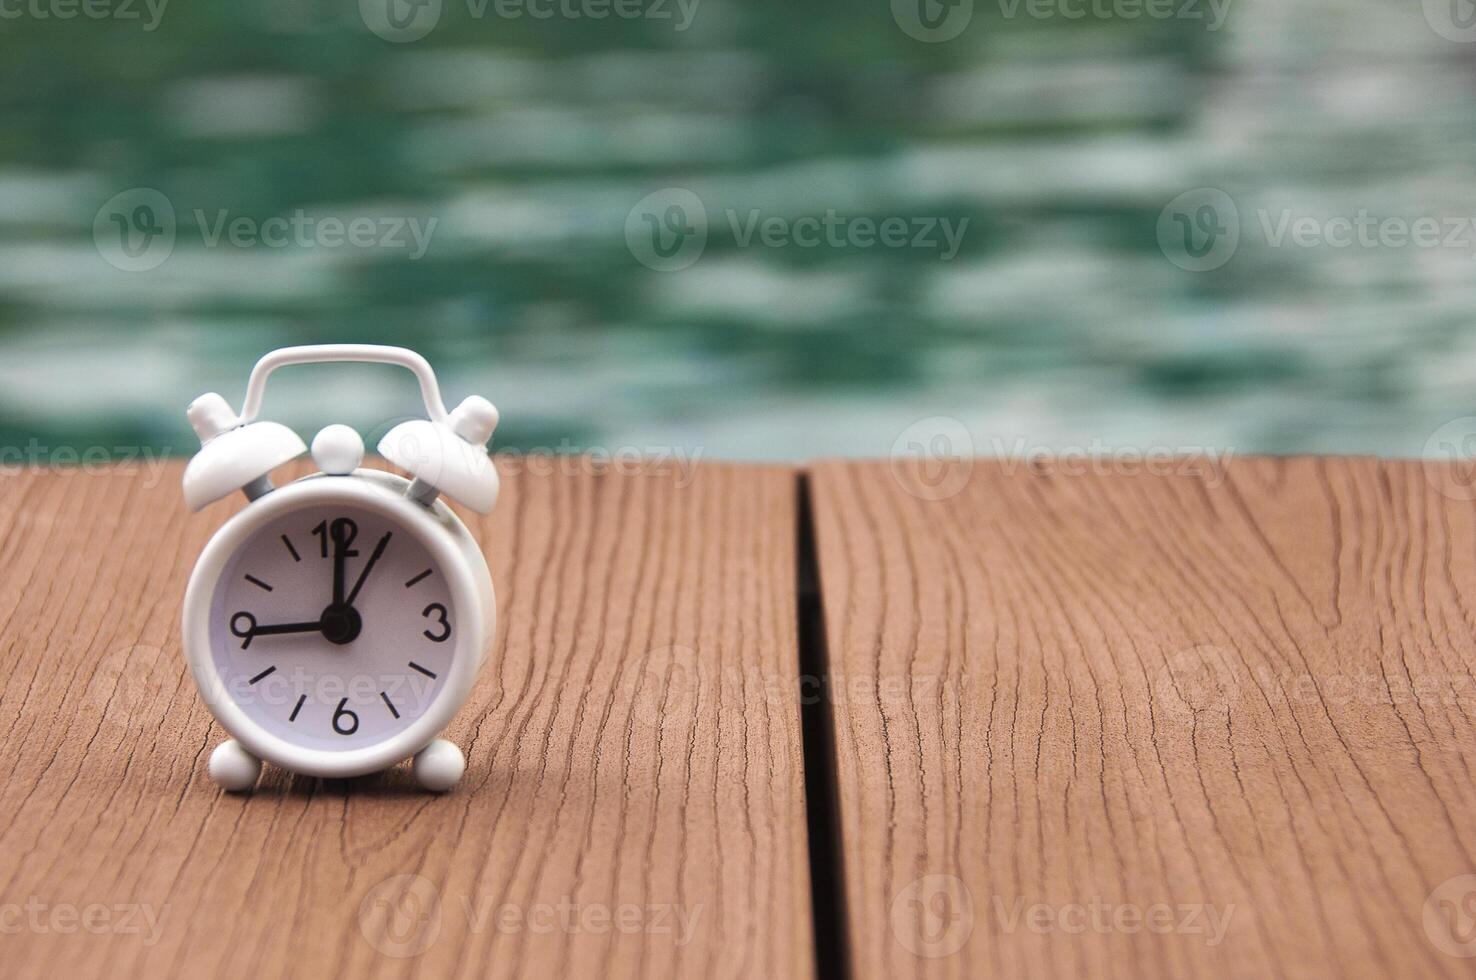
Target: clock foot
233, 767
439, 766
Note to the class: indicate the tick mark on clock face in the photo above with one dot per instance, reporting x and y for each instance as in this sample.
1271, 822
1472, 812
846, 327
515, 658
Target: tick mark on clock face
416, 666
258, 583
411, 584
288, 542
300, 701
262, 674
389, 704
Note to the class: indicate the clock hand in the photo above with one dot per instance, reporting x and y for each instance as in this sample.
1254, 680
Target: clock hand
341, 537
250, 630
369, 566
314, 627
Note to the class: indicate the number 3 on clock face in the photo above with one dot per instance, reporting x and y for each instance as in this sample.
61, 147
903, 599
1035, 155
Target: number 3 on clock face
343, 626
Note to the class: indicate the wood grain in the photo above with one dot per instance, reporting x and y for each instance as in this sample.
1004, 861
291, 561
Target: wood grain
623, 753
1248, 693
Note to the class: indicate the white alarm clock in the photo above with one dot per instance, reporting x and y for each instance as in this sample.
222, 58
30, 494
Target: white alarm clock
335, 625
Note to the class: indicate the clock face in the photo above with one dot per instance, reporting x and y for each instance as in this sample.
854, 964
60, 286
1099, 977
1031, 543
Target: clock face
332, 627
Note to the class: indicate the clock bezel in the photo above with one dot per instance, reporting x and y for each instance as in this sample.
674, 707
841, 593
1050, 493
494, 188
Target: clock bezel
443, 536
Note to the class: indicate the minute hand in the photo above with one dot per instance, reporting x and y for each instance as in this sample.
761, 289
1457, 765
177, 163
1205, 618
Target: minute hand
368, 567
341, 531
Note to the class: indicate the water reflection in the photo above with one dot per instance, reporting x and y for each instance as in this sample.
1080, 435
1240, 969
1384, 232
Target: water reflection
735, 233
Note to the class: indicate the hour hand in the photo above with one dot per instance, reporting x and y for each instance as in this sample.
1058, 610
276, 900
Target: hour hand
244, 625
368, 567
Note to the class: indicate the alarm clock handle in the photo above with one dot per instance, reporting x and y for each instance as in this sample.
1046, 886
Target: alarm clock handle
328, 353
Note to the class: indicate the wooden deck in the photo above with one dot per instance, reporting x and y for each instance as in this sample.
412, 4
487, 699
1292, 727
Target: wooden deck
1034, 723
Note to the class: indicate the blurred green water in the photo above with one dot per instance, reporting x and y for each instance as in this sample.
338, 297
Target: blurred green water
1055, 144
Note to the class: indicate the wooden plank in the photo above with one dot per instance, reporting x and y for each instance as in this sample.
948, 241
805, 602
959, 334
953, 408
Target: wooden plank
632, 805
1095, 724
